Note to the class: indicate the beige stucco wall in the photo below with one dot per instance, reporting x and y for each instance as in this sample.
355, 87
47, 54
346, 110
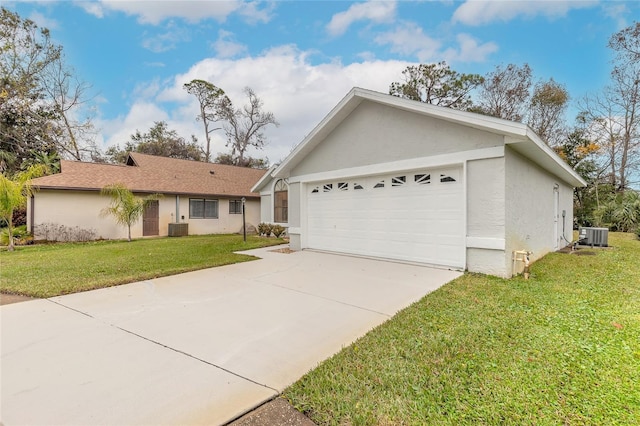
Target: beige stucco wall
530, 208
82, 209
375, 133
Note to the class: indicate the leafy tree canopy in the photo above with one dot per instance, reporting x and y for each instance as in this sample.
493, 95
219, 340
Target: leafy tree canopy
437, 84
159, 140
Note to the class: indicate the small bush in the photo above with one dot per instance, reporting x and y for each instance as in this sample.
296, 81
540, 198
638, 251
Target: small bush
55, 232
265, 229
277, 230
20, 236
19, 216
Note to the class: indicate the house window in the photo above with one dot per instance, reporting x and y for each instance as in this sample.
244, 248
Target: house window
446, 178
379, 184
343, 186
357, 186
281, 202
327, 187
203, 209
235, 206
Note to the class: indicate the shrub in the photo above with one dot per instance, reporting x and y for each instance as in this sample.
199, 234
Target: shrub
265, 229
19, 216
20, 236
277, 230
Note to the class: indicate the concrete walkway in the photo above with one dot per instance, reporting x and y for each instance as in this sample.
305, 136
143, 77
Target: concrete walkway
197, 348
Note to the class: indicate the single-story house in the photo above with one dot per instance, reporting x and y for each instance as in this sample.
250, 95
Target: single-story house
391, 178
206, 196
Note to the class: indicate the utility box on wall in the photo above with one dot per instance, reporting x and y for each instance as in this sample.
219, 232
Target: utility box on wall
178, 229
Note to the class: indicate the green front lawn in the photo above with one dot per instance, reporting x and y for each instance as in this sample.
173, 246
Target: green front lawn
560, 348
55, 269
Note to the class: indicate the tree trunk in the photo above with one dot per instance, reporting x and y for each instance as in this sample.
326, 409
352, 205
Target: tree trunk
10, 247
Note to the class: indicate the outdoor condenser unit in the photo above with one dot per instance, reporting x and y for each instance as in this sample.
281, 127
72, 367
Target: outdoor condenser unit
594, 237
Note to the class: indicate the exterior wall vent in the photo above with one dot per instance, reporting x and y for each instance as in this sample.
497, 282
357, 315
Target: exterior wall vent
594, 237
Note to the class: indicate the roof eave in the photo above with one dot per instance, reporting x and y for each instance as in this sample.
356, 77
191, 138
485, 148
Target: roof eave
534, 148
264, 179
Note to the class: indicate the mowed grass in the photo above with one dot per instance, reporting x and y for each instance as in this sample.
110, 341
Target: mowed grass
56, 269
562, 348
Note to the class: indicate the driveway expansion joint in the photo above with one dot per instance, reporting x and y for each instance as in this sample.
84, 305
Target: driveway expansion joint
330, 299
168, 347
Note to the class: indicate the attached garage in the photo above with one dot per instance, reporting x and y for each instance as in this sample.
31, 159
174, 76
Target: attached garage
415, 216
396, 179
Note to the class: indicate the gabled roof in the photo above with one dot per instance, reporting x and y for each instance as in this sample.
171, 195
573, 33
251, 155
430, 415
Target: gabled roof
517, 135
152, 174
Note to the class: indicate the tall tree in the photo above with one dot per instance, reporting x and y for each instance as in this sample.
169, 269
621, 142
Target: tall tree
159, 140
26, 119
14, 192
436, 84
38, 101
211, 99
125, 207
244, 126
505, 92
69, 96
614, 114
547, 106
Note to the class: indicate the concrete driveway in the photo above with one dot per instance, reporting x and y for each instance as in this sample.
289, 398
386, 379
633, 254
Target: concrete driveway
197, 348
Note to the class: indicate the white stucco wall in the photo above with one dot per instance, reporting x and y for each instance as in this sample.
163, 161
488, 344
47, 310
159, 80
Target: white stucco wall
530, 208
375, 133
82, 209
266, 206
486, 216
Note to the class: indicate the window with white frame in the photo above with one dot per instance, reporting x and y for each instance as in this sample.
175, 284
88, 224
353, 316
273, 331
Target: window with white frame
281, 202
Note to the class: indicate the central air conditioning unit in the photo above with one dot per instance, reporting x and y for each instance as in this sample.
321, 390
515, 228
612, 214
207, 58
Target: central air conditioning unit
594, 237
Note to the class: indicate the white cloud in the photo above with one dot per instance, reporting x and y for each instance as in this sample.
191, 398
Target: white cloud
253, 14
156, 11
226, 47
408, 39
480, 12
44, 22
470, 50
376, 11
618, 11
298, 92
166, 41
91, 8
141, 116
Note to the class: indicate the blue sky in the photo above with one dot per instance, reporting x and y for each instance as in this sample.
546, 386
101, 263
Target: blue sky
302, 57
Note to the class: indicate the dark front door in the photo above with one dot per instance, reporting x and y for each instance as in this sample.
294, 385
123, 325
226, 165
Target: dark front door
151, 219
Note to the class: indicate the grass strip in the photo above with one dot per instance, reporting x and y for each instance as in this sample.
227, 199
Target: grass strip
54, 269
560, 348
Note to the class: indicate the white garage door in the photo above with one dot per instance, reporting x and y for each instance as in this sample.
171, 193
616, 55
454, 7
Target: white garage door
412, 216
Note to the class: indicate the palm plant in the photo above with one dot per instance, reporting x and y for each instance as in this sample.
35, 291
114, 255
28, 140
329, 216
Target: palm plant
14, 192
125, 207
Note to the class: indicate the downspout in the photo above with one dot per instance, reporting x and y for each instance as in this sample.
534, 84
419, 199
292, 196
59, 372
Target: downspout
177, 209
